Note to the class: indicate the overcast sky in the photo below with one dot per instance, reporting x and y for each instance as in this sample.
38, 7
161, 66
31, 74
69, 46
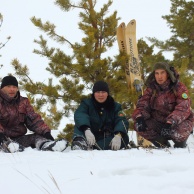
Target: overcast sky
17, 24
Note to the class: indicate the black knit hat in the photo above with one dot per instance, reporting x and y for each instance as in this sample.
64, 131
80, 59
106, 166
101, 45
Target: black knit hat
100, 86
9, 80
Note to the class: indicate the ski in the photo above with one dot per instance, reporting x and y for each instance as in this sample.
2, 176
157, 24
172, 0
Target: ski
134, 65
126, 38
123, 47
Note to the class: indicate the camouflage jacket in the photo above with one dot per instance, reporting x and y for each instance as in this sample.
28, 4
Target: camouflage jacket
16, 115
170, 103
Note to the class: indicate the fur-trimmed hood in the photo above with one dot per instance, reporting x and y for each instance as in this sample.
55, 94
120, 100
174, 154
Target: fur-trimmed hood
173, 74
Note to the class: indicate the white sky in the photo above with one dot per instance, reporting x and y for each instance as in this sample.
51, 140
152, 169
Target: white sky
98, 172
17, 24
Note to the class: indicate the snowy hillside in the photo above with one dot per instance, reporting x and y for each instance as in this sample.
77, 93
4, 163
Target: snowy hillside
98, 172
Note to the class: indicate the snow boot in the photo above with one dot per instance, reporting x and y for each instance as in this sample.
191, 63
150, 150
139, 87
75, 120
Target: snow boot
180, 144
161, 142
11, 146
59, 145
79, 143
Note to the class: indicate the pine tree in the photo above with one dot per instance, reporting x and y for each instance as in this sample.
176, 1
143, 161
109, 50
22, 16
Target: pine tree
73, 75
148, 58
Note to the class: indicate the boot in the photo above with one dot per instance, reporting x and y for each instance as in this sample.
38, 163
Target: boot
59, 145
79, 143
11, 146
180, 144
161, 142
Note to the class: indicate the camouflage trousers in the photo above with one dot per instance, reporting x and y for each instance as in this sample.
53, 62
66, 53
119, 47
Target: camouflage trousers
177, 133
31, 140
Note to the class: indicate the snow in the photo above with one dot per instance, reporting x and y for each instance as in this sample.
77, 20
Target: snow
13, 147
59, 146
135, 171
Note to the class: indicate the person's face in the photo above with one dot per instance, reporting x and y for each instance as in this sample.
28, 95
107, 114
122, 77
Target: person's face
161, 76
100, 96
10, 90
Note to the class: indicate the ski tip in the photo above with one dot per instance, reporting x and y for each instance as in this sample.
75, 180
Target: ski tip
132, 22
122, 25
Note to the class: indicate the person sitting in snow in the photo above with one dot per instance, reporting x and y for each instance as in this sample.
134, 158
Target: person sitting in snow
100, 122
164, 111
16, 116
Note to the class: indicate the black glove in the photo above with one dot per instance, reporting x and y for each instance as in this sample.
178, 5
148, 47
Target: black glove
167, 126
140, 124
48, 135
166, 129
2, 138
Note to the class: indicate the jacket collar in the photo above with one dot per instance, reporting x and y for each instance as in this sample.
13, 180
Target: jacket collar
108, 104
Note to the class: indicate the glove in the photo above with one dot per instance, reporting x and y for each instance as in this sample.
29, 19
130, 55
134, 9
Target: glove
48, 135
167, 126
140, 124
2, 138
166, 129
116, 142
90, 137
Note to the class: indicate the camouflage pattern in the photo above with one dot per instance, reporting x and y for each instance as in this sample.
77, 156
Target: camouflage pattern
167, 102
17, 115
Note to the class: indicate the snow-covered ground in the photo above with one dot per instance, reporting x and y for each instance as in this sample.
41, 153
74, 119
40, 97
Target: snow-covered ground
98, 172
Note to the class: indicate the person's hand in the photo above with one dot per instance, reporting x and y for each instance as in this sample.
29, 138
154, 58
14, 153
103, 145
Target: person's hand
166, 129
90, 137
2, 138
167, 126
140, 124
48, 135
116, 142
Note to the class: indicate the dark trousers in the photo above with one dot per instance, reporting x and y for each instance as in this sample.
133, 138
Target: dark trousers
31, 140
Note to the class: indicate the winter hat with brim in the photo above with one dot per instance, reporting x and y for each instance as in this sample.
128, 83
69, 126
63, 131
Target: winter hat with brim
100, 86
9, 80
161, 65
